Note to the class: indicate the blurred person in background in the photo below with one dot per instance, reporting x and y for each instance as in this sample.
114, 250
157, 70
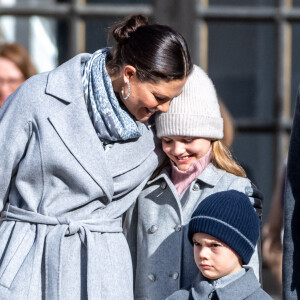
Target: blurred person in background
15, 67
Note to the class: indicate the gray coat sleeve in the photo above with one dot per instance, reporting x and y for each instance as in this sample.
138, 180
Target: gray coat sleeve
15, 131
130, 232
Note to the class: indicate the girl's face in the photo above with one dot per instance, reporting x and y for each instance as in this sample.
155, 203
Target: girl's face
213, 258
184, 150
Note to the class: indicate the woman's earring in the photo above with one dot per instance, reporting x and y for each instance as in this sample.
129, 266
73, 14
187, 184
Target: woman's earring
123, 91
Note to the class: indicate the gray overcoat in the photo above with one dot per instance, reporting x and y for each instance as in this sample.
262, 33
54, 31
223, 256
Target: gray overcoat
246, 287
62, 194
156, 230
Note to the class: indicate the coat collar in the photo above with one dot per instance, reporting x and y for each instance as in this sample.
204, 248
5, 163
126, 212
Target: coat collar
75, 128
239, 289
210, 175
73, 123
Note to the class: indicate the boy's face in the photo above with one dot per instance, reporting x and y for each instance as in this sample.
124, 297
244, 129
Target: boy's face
214, 258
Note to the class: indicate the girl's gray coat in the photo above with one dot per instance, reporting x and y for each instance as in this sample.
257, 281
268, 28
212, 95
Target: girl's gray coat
156, 229
244, 288
62, 194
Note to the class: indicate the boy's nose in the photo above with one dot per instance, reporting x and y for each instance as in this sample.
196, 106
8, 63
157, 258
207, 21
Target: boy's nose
203, 253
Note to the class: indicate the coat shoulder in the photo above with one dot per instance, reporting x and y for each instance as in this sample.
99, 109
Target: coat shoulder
259, 294
180, 295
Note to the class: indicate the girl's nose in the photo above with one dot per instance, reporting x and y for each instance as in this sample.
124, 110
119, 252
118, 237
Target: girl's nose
178, 148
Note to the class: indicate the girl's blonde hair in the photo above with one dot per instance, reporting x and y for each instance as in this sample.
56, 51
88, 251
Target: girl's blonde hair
222, 159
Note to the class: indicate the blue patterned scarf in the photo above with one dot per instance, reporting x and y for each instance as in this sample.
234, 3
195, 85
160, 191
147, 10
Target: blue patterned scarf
111, 121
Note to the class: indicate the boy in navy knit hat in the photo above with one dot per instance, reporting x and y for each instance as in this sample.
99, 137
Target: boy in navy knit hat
224, 230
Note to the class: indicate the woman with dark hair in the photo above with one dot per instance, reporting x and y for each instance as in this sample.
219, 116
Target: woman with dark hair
15, 67
74, 157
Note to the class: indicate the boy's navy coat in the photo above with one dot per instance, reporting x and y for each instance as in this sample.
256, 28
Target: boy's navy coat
156, 229
62, 194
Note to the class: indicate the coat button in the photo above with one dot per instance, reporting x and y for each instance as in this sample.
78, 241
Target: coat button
177, 228
196, 187
153, 228
248, 190
174, 275
163, 185
152, 277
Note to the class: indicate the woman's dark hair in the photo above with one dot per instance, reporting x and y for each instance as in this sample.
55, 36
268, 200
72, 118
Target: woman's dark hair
156, 51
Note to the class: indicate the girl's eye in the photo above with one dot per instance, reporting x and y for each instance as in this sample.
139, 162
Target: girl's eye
166, 141
188, 140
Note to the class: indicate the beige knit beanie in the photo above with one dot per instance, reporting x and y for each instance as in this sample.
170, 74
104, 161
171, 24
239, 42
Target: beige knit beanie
195, 112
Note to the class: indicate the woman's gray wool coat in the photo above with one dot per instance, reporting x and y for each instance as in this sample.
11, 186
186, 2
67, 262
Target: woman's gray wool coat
156, 230
62, 194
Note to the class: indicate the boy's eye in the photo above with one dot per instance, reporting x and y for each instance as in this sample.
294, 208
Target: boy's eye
216, 245
196, 243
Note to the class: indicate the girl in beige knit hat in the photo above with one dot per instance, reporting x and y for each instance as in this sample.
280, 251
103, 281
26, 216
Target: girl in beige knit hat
198, 165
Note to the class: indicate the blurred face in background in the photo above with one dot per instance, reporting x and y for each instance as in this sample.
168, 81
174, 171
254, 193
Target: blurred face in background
10, 78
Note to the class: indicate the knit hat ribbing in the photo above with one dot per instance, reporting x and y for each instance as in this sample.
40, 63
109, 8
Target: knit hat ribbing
229, 217
195, 112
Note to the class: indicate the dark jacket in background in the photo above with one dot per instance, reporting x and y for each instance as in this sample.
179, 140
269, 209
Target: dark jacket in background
291, 243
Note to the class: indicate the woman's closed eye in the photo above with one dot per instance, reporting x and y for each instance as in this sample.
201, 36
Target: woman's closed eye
161, 99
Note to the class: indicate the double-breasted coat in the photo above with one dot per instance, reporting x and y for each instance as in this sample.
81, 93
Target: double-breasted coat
156, 229
62, 194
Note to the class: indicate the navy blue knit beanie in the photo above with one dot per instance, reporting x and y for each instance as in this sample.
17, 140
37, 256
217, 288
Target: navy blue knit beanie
229, 217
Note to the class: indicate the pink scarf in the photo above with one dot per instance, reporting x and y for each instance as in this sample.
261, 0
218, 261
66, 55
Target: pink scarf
182, 179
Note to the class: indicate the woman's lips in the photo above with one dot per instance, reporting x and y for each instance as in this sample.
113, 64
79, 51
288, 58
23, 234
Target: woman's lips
150, 111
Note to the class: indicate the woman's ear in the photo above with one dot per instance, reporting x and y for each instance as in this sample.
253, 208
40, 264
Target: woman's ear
128, 72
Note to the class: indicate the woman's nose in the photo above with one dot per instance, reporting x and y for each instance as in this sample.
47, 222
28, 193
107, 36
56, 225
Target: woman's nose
164, 107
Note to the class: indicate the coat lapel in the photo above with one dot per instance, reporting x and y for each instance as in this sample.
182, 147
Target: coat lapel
74, 126
125, 156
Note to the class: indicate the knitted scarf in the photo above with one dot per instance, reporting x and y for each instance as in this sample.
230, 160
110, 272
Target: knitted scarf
182, 179
111, 121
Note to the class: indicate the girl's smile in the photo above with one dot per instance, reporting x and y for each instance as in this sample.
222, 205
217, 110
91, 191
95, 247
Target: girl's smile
184, 151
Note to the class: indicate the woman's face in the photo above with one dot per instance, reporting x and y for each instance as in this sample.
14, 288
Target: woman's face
10, 78
146, 97
185, 150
